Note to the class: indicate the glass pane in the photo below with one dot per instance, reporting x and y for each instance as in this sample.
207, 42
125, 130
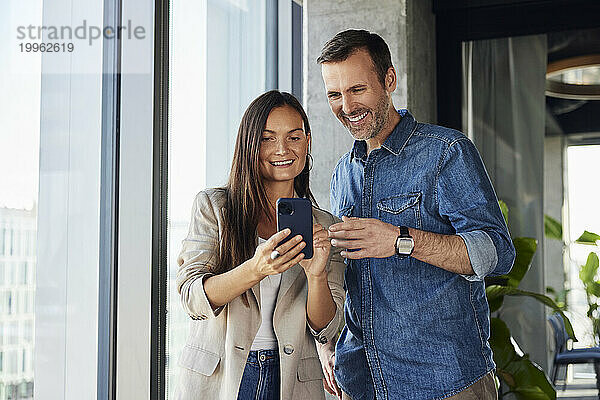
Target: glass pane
51, 116
217, 67
20, 76
582, 199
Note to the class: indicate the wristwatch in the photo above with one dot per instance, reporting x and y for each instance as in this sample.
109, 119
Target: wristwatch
404, 243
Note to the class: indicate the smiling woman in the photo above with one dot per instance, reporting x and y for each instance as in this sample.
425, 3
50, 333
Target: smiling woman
255, 317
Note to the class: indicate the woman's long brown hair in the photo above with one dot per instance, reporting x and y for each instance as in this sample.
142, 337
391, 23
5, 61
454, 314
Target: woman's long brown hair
246, 197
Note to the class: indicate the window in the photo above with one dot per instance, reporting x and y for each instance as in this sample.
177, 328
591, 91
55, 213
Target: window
217, 67
9, 302
50, 159
23, 273
582, 194
28, 331
12, 362
223, 55
2, 240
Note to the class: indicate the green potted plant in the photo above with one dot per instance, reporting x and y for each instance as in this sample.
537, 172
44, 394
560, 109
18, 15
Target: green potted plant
520, 376
587, 274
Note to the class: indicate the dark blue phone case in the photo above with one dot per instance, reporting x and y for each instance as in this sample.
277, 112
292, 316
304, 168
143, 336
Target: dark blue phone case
299, 221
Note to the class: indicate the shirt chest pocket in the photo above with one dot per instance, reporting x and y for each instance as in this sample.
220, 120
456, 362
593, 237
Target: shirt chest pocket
402, 209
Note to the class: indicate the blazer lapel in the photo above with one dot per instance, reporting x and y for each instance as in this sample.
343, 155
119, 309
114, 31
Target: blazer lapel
287, 279
256, 293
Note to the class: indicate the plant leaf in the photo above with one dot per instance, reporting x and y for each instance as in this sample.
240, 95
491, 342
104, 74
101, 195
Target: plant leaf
594, 289
529, 377
524, 378
504, 209
531, 393
493, 292
503, 349
525, 249
495, 303
588, 238
588, 271
552, 228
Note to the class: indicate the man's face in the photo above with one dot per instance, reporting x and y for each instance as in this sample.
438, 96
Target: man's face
356, 96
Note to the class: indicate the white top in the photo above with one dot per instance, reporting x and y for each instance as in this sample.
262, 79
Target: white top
269, 289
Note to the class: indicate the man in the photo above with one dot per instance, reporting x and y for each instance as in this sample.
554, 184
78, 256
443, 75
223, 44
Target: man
421, 228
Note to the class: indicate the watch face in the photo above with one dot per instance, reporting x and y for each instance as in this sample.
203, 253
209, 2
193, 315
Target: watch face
405, 245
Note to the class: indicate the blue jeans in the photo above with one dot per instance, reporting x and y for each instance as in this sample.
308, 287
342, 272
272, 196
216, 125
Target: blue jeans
261, 376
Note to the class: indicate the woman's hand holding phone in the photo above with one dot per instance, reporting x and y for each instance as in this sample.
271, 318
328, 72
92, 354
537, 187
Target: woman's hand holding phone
315, 267
289, 254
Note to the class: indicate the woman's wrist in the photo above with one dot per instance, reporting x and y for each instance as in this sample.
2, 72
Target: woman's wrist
317, 279
252, 270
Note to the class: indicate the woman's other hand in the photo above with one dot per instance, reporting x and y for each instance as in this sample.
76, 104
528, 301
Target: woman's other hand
327, 357
289, 254
315, 267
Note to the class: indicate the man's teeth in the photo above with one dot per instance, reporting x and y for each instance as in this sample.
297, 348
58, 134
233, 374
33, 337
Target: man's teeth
280, 163
358, 117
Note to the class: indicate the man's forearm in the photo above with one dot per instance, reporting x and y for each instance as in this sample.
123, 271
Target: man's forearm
448, 252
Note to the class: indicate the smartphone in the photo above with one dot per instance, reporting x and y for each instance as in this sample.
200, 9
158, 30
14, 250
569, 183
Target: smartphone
296, 214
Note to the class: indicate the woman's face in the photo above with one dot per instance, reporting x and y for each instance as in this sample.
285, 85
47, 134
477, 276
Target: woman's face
283, 146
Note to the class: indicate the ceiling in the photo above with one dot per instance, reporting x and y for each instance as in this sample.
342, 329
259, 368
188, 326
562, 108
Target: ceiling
572, 117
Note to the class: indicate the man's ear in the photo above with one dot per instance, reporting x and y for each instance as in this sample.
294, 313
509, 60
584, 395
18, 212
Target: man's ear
390, 80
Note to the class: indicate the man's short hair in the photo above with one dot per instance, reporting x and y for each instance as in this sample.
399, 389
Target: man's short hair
346, 43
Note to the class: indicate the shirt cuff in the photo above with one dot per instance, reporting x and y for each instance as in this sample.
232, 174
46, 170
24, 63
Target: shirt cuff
482, 254
328, 333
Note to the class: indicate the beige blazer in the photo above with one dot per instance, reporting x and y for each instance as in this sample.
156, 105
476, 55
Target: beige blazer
214, 357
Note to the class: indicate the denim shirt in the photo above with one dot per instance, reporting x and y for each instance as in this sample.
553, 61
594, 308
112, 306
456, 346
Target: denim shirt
413, 330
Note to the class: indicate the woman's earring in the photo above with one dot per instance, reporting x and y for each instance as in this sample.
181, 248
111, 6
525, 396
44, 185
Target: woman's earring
309, 161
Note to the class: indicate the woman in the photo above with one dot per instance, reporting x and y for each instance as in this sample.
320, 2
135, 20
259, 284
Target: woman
257, 315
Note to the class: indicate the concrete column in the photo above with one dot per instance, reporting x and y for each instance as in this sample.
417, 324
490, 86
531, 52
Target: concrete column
408, 27
554, 266
553, 204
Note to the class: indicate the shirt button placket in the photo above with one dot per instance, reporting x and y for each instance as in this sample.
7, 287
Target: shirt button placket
367, 294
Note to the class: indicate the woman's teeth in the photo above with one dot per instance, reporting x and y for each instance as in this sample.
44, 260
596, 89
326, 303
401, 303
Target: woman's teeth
281, 163
358, 117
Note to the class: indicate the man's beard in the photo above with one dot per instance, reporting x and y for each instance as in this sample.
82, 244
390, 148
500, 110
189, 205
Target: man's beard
380, 117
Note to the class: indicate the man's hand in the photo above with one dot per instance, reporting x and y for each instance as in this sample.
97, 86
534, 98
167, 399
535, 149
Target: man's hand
371, 237
327, 357
315, 267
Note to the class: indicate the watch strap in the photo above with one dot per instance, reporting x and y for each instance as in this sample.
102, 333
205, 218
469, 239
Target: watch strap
404, 232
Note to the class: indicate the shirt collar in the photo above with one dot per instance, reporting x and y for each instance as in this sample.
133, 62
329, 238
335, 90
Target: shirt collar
394, 142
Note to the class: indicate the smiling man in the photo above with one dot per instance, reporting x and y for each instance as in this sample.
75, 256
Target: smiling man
421, 228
